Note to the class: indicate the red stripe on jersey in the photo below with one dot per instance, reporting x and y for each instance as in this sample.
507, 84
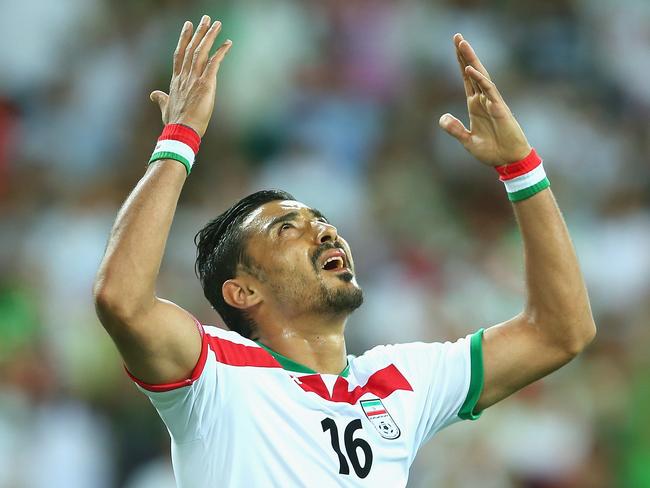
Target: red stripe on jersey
381, 384
518, 168
378, 412
194, 375
235, 354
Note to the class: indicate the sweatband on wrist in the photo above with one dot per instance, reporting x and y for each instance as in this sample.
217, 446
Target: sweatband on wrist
178, 142
524, 178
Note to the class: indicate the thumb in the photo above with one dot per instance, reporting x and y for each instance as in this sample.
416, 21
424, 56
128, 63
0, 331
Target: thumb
160, 98
455, 128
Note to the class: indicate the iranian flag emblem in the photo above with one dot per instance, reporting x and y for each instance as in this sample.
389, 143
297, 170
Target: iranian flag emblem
380, 418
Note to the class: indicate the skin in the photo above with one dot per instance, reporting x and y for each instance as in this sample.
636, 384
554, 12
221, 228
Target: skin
287, 297
288, 303
556, 323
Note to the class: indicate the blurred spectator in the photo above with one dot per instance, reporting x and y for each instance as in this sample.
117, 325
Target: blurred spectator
336, 102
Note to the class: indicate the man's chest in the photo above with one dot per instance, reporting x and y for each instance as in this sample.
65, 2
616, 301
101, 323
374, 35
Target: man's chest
356, 429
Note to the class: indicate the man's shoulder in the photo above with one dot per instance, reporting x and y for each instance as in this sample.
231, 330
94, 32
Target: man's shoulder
401, 349
215, 332
416, 357
232, 349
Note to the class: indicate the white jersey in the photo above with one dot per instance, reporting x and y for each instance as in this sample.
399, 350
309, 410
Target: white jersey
249, 417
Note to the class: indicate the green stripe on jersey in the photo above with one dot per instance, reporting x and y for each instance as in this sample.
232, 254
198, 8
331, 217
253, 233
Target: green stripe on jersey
476, 380
291, 365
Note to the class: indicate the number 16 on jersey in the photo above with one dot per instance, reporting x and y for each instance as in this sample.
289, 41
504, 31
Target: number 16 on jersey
351, 447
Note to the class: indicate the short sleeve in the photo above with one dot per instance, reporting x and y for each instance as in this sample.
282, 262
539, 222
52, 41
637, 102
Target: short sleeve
468, 408
447, 380
187, 406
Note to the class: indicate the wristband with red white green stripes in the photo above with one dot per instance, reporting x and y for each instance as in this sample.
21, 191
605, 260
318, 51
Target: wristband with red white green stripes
178, 142
524, 178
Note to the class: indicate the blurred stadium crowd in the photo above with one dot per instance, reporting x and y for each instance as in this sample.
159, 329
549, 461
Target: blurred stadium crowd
337, 102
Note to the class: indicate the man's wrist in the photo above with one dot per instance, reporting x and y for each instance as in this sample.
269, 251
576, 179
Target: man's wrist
524, 178
177, 142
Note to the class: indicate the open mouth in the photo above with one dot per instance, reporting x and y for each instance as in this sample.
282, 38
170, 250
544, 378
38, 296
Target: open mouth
334, 263
334, 260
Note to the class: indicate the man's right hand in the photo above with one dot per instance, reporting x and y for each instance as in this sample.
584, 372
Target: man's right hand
194, 80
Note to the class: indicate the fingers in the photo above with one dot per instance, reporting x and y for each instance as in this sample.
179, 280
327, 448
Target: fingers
469, 88
469, 55
455, 128
488, 88
183, 41
214, 62
203, 50
193, 44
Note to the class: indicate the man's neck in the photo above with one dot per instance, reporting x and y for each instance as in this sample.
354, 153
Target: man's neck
315, 342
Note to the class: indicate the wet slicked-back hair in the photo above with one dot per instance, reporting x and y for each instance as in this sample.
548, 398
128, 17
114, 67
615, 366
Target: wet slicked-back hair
221, 249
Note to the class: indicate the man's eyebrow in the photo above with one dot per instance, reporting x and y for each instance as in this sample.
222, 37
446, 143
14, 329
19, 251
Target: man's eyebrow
283, 218
288, 217
318, 214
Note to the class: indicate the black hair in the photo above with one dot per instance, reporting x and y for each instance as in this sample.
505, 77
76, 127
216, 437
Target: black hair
221, 250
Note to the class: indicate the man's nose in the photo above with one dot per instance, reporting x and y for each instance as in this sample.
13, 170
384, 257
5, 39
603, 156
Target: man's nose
326, 232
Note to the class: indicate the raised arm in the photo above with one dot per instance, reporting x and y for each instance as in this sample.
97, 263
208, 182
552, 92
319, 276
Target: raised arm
556, 323
158, 340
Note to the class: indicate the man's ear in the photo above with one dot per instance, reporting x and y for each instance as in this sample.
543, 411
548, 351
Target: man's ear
239, 293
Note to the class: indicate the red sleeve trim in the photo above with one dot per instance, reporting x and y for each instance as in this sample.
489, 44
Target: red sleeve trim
196, 372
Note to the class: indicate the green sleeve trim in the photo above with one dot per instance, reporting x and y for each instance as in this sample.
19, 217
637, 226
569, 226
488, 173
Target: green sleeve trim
476, 381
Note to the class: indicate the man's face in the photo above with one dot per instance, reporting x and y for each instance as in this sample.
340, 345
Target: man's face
304, 263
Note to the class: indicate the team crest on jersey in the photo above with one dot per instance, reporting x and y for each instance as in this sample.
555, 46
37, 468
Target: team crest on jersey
380, 418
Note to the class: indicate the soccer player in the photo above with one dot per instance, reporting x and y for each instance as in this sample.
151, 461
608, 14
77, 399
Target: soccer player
275, 400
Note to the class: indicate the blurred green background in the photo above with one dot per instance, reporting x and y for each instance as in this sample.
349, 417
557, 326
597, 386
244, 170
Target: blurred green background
336, 101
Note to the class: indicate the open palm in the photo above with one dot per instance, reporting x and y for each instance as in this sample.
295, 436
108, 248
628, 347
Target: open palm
494, 136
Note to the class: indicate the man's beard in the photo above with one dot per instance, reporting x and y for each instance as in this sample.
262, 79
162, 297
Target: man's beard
327, 300
338, 301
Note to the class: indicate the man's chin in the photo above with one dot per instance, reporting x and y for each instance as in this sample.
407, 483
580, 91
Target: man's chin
346, 297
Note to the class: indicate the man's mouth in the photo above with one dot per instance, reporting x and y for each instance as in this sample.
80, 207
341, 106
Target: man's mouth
334, 263
334, 260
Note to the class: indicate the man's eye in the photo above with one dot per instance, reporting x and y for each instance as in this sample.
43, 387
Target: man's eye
285, 227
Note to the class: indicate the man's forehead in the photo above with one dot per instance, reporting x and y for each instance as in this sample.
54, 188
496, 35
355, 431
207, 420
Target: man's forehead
264, 214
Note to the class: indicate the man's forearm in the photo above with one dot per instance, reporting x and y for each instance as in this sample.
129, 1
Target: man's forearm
127, 275
557, 298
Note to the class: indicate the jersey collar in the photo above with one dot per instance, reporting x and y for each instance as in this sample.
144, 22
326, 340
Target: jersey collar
291, 365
